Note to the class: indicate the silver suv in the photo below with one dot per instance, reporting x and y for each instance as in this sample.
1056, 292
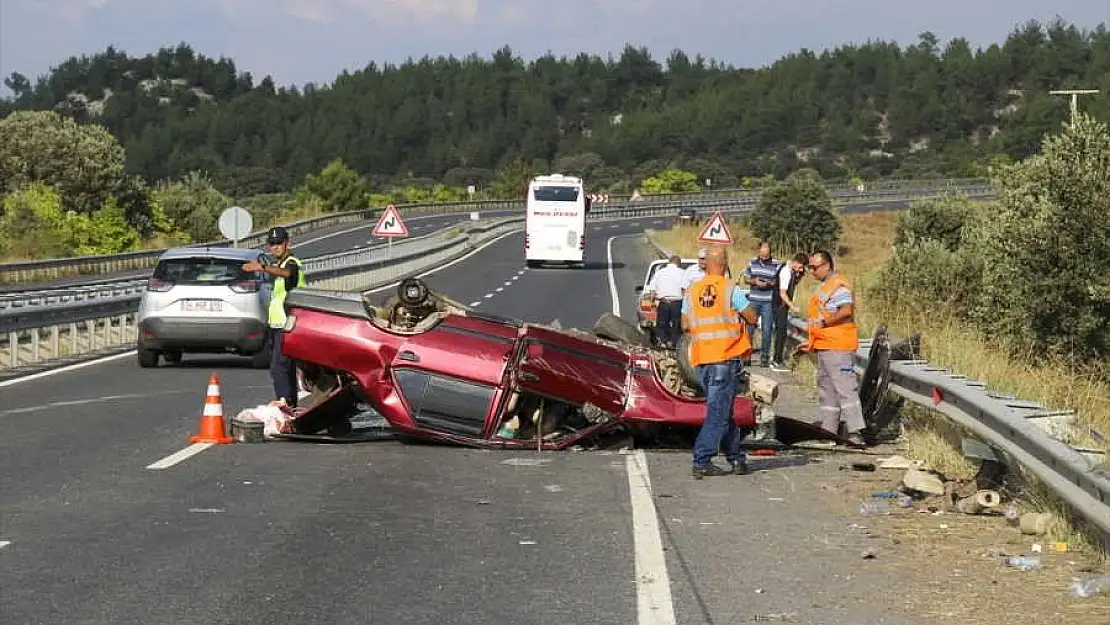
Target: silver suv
200, 300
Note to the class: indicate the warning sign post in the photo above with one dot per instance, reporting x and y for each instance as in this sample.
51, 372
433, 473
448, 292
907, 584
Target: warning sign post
390, 225
715, 231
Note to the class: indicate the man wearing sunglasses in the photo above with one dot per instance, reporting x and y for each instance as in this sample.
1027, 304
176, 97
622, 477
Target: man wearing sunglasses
834, 337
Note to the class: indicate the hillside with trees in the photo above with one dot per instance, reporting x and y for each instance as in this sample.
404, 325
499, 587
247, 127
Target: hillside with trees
427, 128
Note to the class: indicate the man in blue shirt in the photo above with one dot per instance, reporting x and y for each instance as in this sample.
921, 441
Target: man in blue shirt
762, 276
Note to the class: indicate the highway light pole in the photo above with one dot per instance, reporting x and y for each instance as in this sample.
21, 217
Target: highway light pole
1074, 93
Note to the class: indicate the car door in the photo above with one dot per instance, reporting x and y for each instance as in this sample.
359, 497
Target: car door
449, 375
572, 369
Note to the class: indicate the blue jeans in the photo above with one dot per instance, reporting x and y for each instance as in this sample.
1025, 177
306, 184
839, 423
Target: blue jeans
719, 430
766, 312
283, 372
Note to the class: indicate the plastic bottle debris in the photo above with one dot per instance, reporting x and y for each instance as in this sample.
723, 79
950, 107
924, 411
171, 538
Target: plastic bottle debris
1023, 563
874, 508
1090, 587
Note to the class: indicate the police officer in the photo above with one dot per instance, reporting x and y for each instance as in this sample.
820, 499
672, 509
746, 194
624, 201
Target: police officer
288, 274
714, 312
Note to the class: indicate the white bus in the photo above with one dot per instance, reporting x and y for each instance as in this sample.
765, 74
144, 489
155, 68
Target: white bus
555, 222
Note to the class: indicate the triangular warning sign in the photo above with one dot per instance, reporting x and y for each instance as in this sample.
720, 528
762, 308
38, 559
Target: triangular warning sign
715, 231
390, 224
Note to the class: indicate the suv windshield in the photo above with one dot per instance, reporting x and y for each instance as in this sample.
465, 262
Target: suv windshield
202, 270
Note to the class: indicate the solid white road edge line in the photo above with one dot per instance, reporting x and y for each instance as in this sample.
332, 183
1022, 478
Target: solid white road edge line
80, 365
654, 604
612, 278
178, 456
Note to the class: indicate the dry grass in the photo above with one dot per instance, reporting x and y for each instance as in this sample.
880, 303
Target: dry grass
865, 245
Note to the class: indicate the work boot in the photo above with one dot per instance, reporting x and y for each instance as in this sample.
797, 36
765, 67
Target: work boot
709, 469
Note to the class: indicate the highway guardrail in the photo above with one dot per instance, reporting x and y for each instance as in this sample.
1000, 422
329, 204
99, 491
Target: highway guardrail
1019, 432
48, 269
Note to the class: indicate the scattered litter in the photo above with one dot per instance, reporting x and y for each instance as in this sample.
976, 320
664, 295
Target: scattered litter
874, 508
759, 591
483, 502
943, 526
207, 510
905, 501
1012, 514
527, 542
774, 616
885, 494
859, 466
1090, 587
526, 462
553, 488
274, 417
1035, 548
248, 483
1023, 563
980, 501
709, 523
1058, 547
899, 462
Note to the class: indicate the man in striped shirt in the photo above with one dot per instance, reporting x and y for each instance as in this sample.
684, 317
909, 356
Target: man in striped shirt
762, 277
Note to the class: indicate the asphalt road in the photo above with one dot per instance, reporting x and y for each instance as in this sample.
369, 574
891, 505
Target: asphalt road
309, 245
382, 532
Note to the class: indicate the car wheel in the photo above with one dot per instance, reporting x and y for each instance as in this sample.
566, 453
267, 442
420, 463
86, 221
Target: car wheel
173, 357
147, 358
614, 328
689, 373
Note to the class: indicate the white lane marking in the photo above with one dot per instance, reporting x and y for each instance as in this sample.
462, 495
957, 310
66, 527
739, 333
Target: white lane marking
4, 543
507, 283
454, 262
520, 273
499, 289
178, 456
654, 604
80, 365
488, 295
612, 278
84, 401
478, 303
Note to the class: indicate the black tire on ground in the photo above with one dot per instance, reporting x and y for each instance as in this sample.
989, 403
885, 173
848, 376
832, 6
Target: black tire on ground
682, 354
614, 328
148, 358
173, 358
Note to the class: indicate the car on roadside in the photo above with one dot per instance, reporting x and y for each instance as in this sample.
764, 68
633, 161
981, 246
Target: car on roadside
200, 300
438, 370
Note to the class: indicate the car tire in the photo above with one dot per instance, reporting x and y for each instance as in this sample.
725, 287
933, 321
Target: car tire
148, 358
689, 373
614, 328
173, 357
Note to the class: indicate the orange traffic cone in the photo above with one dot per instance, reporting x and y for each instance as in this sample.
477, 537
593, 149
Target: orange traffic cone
212, 419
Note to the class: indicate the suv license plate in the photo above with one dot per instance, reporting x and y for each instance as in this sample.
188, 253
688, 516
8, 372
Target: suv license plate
201, 305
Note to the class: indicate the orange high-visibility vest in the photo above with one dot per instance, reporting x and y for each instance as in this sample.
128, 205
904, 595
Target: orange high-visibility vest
716, 331
842, 336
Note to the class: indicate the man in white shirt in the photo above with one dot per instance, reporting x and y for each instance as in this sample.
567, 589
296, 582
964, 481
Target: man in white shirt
789, 276
667, 287
694, 272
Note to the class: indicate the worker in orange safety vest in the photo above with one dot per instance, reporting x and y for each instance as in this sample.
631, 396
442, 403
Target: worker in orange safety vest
834, 338
714, 312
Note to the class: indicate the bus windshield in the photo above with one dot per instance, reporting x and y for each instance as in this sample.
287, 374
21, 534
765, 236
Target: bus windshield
555, 194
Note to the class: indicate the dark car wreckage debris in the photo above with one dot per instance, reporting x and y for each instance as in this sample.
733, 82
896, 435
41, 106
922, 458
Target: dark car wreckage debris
427, 368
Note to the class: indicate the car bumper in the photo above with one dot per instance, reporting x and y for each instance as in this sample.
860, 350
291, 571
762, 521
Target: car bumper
244, 335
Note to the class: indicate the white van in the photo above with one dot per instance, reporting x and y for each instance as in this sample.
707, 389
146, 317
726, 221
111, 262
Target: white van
555, 223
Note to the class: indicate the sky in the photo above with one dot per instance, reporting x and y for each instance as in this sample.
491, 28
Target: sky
298, 41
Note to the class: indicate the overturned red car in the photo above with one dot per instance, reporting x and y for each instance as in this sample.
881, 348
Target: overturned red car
438, 370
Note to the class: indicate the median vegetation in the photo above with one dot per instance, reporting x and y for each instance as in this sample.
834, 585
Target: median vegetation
1009, 292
